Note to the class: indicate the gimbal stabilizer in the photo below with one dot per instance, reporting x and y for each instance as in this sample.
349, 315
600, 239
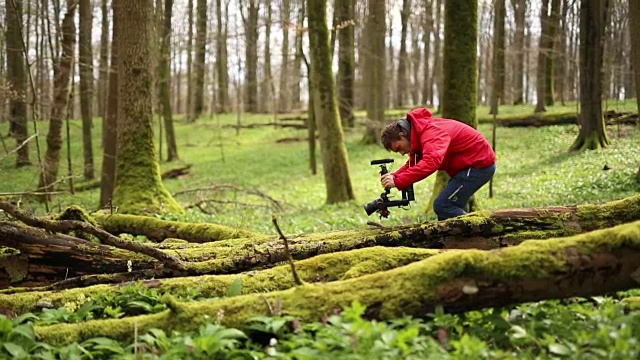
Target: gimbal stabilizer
382, 204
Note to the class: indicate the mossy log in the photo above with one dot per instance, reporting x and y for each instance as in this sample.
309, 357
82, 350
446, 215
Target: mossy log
322, 268
595, 263
158, 230
57, 258
558, 118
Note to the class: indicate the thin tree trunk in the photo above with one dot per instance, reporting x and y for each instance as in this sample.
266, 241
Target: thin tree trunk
267, 80
251, 55
284, 98
103, 79
402, 84
108, 174
544, 46
17, 78
189, 102
519, 10
427, 85
346, 61
499, 65
61, 90
221, 63
199, 65
85, 65
375, 67
553, 24
634, 30
436, 75
165, 82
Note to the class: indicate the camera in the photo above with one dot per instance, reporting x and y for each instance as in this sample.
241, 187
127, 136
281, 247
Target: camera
382, 204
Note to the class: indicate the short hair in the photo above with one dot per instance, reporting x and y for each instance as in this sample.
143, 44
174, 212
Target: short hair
391, 133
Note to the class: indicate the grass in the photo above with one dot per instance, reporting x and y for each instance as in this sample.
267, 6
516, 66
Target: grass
534, 169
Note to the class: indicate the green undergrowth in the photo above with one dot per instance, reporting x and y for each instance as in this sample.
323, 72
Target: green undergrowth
593, 328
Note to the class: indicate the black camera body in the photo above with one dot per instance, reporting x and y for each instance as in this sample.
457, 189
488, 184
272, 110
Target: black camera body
382, 204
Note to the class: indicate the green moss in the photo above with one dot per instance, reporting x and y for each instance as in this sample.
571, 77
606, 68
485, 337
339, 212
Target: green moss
7, 252
17, 267
409, 290
322, 268
75, 212
158, 229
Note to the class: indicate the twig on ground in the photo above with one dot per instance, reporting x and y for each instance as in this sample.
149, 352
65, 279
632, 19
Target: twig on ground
230, 187
30, 193
296, 278
19, 146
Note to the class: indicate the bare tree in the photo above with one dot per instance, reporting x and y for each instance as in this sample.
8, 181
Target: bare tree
165, 81
402, 85
221, 62
346, 60
199, 65
251, 53
519, 11
374, 66
284, 98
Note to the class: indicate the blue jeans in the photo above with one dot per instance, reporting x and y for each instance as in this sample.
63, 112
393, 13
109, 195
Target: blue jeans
453, 199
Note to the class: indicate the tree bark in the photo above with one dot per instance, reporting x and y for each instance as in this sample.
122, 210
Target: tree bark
199, 65
519, 10
53, 254
402, 84
346, 61
544, 47
108, 174
499, 64
597, 263
221, 63
85, 64
103, 79
165, 82
373, 58
334, 154
251, 55
593, 133
634, 26
17, 79
138, 187
51, 164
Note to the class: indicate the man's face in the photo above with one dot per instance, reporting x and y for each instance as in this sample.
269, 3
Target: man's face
402, 146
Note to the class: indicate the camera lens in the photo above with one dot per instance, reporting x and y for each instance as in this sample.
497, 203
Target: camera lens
371, 207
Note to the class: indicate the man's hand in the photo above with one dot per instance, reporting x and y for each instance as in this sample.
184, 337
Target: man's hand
387, 181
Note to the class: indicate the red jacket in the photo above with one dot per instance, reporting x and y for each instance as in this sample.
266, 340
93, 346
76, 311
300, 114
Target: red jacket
441, 144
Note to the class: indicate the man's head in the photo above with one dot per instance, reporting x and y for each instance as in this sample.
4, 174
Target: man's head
395, 137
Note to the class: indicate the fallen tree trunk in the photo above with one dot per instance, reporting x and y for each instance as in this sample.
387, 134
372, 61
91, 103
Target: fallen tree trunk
158, 230
590, 264
486, 230
323, 268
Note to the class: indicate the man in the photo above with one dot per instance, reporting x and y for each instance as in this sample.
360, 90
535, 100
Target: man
440, 144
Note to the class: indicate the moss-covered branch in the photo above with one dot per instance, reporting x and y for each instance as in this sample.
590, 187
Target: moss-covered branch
68, 226
158, 230
599, 262
323, 268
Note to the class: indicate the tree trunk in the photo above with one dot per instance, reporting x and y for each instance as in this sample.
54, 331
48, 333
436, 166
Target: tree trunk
346, 61
322, 268
401, 82
138, 187
103, 79
297, 61
375, 69
334, 154
427, 85
85, 65
460, 61
17, 79
49, 173
490, 230
199, 64
251, 56
598, 263
190, 89
593, 133
221, 63
267, 97
544, 47
634, 26
553, 24
436, 75
519, 10
108, 175
165, 82
499, 65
